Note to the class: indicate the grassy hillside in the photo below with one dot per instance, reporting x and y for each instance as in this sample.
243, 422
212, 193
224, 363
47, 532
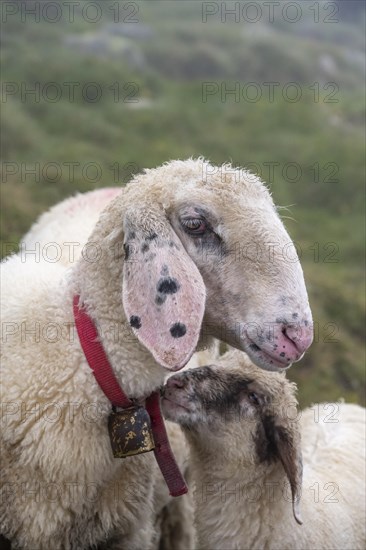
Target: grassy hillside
164, 92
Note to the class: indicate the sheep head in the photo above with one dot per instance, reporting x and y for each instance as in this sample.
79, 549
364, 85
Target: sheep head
206, 255
242, 416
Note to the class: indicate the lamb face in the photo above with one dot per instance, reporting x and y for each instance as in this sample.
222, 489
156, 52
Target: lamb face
230, 400
238, 414
235, 246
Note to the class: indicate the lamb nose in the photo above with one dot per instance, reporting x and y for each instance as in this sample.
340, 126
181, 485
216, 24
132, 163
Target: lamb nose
301, 335
175, 382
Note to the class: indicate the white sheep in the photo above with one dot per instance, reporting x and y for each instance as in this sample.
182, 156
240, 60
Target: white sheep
60, 234
255, 462
165, 262
65, 229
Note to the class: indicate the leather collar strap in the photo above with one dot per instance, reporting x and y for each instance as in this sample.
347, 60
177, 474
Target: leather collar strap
104, 375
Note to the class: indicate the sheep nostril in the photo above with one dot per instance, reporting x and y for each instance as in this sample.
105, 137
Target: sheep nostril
301, 336
175, 382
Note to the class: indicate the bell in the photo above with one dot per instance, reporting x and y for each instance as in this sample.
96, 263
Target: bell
130, 432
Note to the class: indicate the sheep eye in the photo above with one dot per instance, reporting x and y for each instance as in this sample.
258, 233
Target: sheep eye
196, 226
253, 397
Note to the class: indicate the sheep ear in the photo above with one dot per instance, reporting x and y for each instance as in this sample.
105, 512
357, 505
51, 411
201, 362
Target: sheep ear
289, 450
163, 291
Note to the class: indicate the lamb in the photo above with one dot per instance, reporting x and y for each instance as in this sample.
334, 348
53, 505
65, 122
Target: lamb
165, 276
249, 467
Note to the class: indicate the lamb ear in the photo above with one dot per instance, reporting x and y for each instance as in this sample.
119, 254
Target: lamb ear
289, 451
163, 291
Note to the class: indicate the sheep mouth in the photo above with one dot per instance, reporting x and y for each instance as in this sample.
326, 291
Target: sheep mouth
265, 359
176, 404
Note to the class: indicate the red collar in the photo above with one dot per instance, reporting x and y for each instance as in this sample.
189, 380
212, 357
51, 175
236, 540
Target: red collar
104, 375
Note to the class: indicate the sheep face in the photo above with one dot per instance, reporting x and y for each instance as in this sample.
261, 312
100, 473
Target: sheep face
239, 414
194, 234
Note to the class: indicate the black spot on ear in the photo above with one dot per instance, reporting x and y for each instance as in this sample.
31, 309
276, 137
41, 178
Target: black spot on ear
151, 237
127, 250
178, 330
150, 257
282, 354
306, 323
168, 285
135, 321
144, 248
160, 299
295, 315
131, 235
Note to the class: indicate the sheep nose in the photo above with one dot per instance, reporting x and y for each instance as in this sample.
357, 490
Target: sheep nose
175, 382
301, 335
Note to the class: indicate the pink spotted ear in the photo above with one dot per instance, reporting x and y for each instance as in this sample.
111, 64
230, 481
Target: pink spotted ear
163, 292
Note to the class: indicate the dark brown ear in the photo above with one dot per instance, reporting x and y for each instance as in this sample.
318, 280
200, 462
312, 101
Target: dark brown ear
283, 442
163, 291
289, 451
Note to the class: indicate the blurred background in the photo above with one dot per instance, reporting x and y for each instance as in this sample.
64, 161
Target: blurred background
93, 92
